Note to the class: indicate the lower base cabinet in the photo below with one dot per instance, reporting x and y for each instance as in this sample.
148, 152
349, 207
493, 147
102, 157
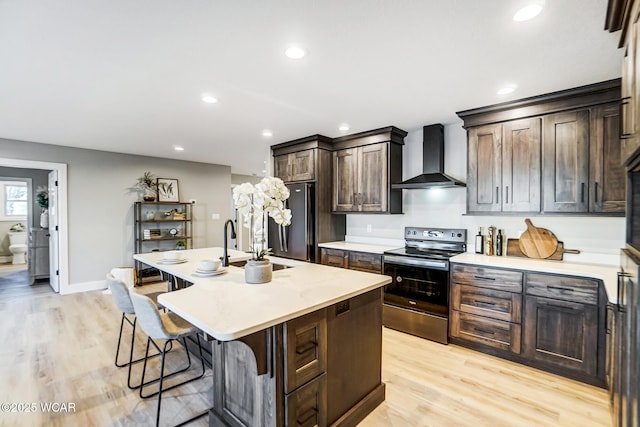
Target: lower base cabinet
321, 369
557, 323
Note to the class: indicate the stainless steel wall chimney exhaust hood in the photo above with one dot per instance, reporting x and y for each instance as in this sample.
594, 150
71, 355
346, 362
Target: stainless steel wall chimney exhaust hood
433, 175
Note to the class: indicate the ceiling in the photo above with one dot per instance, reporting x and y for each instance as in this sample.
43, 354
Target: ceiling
127, 76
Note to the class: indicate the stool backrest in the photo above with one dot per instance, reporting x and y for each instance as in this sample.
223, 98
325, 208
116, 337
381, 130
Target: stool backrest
148, 316
120, 294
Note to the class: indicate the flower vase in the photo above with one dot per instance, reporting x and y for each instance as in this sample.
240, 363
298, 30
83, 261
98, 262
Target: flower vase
256, 272
44, 219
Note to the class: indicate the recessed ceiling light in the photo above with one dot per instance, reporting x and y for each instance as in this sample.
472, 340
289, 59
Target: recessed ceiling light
527, 12
267, 133
178, 148
295, 52
209, 99
343, 127
506, 90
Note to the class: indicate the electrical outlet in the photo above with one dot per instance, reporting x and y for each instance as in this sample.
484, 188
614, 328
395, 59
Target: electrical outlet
215, 216
368, 228
192, 201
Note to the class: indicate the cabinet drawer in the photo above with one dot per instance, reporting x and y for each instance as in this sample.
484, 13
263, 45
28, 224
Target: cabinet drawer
305, 348
493, 278
498, 305
566, 288
307, 406
334, 257
365, 262
494, 333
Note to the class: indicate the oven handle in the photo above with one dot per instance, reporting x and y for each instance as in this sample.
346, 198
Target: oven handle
400, 260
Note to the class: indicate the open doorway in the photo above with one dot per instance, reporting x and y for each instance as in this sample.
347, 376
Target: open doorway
55, 228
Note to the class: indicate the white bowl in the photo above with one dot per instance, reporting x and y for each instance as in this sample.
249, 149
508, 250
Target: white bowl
171, 255
209, 264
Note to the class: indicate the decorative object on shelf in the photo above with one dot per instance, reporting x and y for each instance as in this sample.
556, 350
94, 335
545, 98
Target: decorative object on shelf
254, 202
167, 190
181, 245
17, 227
42, 198
148, 186
149, 215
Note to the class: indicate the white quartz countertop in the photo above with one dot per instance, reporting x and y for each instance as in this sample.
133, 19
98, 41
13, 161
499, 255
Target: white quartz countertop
358, 247
227, 308
607, 273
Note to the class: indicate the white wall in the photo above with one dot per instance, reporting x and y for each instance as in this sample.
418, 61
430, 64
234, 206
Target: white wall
599, 238
100, 207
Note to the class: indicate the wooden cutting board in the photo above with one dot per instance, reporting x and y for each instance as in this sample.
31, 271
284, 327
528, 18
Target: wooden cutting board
513, 249
537, 242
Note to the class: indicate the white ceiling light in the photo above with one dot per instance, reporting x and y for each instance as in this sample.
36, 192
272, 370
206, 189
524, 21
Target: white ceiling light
344, 127
295, 52
209, 99
527, 12
178, 148
267, 133
506, 90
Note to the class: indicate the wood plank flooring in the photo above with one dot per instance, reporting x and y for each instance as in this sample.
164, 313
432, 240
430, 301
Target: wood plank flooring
60, 349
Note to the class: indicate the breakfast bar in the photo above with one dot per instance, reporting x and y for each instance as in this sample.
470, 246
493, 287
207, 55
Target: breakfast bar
303, 349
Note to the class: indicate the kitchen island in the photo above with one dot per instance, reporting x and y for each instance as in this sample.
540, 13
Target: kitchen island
303, 349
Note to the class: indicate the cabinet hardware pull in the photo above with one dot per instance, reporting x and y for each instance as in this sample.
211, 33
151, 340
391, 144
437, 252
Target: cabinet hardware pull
595, 192
497, 194
484, 302
507, 195
484, 330
560, 288
582, 192
305, 348
484, 278
307, 416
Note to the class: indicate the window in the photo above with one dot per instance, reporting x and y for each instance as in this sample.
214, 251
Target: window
14, 200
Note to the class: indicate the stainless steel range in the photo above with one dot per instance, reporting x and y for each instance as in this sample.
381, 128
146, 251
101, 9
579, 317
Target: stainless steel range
417, 300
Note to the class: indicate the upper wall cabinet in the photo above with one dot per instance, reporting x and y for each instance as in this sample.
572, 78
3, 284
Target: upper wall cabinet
298, 166
555, 153
364, 167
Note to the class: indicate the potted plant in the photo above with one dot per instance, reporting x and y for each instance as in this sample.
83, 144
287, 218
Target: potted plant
253, 204
149, 187
181, 244
42, 198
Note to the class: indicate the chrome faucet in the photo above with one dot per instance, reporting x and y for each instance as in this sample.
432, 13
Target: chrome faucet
225, 256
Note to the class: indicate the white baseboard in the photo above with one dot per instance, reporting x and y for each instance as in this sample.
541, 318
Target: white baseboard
4, 259
84, 287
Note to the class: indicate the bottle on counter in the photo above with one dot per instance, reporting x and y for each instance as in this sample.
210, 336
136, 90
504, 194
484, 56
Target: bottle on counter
488, 241
479, 242
499, 240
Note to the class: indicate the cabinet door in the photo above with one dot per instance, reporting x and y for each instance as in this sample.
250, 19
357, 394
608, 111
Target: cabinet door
362, 261
305, 349
281, 167
565, 162
521, 151
562, 334
334, 257
372, 174
303, 165
344, 180
606, 175
484, 169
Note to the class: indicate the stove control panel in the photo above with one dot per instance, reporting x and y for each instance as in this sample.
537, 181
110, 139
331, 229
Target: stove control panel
436, 234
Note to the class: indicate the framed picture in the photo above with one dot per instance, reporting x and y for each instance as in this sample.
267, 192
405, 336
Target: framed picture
168, 190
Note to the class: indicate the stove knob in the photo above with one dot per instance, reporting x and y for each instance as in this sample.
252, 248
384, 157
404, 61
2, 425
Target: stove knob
459, 234
399, 279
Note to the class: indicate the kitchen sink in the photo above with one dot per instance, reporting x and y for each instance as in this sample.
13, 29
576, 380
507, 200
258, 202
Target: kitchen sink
276, 267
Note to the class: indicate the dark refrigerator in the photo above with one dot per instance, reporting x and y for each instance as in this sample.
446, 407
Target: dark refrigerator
297, 240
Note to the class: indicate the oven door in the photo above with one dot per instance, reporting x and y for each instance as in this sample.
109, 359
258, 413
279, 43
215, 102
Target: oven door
418, 285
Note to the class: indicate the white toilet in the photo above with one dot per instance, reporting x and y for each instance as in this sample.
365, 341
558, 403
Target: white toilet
18, 246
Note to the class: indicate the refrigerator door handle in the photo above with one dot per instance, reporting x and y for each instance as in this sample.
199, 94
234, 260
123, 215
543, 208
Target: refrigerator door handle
285, 239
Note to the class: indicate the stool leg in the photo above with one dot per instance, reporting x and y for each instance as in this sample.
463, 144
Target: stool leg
119, 340
164, 352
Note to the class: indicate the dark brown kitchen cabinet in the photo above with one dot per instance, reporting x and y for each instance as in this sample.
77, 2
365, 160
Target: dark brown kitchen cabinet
504, 167
556, 153
364, 167
607, 190
562, 323
353, 260
298, 166
361, 175
565, 162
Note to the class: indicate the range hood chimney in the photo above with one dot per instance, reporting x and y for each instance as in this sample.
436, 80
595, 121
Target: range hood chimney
433, 175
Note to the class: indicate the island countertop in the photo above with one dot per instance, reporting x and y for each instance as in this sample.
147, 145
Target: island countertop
227, 308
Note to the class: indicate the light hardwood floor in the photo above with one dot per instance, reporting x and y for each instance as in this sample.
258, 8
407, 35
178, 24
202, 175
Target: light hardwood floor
60, 349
